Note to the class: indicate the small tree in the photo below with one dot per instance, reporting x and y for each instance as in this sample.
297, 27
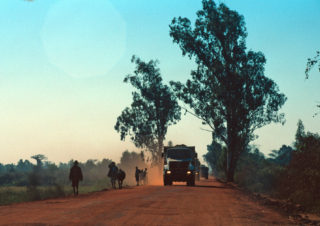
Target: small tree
39, 158
228, 90
36, 177
300, 133
154, 108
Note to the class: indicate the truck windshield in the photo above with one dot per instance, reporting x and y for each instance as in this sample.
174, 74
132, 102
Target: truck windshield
179, 153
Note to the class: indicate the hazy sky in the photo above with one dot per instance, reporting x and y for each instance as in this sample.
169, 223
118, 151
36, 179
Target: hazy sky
62, 64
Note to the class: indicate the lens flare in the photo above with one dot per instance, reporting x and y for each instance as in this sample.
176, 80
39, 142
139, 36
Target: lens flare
84, 38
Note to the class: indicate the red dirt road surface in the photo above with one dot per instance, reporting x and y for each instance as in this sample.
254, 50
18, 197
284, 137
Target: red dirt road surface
208, 203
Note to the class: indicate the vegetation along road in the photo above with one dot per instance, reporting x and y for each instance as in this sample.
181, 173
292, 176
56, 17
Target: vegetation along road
208, 203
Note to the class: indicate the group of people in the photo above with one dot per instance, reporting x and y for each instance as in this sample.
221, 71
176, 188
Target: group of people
114, 173
141, 176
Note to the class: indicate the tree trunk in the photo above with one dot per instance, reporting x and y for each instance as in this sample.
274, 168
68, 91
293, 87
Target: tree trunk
231, 159
231, 171
160, 150
235, 150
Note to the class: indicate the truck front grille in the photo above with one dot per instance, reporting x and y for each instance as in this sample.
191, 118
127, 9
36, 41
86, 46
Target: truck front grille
178, 166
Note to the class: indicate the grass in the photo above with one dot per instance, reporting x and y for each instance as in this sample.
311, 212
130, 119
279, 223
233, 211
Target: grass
12, 194
16, 194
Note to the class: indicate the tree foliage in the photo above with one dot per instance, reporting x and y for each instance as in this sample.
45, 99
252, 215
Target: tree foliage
24, 173
311, 63
39, 158
282, 156
228, 90
257, 173
290, 173
301, 179
300, 133
154, 108
216, 159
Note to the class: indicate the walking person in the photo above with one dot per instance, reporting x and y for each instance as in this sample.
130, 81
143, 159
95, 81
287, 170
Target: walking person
75, 176
113, 173
137, 175
145, 179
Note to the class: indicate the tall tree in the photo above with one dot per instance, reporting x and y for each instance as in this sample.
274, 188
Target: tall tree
154, 108
228, 90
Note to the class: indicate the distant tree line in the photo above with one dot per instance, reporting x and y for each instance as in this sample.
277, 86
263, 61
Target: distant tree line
46, 173
291, 173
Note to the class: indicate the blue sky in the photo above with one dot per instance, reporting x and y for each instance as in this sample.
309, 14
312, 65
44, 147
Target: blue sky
62, 63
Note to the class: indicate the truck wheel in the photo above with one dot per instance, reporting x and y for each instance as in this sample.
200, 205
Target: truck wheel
165, 181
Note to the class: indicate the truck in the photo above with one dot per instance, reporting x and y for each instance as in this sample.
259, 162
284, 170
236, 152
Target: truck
180, 164
204, 171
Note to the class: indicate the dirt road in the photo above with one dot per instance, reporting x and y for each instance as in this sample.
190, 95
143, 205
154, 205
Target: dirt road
208, 203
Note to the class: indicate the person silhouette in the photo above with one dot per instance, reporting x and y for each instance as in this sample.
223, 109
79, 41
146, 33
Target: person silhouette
75, 176
113, 173
145, 176
137, 175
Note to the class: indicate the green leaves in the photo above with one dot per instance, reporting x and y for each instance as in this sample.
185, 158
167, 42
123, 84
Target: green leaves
301, 180
153, 109
311, 62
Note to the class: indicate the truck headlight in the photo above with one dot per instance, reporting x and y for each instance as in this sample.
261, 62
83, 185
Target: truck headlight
168, 172
188, 172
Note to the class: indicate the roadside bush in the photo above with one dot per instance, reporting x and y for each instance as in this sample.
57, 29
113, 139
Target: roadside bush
256, 173
291, 173
301, 178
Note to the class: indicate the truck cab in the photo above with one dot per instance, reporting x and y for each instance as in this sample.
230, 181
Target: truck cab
180, 164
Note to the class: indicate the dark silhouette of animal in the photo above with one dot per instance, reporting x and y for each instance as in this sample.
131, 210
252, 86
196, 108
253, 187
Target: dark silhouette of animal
120, 177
